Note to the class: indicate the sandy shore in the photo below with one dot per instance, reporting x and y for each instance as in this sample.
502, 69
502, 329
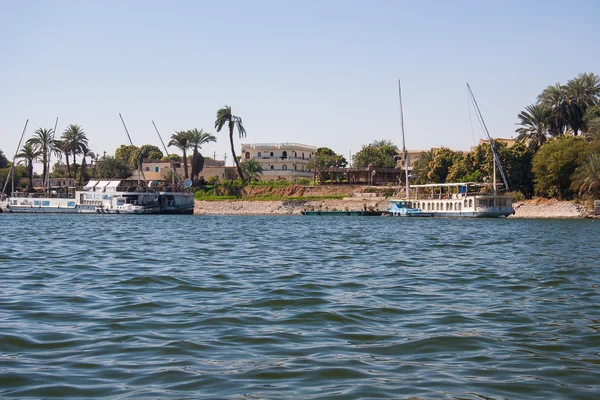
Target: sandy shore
523, 209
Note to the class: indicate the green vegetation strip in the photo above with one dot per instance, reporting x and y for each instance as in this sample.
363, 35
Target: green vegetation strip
267, 198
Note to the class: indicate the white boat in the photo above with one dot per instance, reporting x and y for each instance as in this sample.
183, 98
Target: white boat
104, 197
465, 199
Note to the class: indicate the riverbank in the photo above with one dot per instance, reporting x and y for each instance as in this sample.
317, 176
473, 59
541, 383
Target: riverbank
545, 208
537, 208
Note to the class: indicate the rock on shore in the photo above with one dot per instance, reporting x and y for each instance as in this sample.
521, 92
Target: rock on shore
291, 207
542, 208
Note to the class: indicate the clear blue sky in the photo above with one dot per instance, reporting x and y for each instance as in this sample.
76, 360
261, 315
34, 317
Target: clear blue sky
322, 73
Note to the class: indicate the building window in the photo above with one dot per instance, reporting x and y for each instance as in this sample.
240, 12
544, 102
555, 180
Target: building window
303, 156
247, 155
284, 154
295, 168
271, 154
284, 167
259, 154
147, 168
155, 169
295, 155
272, 167
470, 202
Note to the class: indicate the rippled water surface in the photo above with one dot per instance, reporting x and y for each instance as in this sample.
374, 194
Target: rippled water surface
298, 307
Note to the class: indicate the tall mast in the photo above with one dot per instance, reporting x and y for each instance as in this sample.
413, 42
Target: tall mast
168, 155
12, 165
496, 158
404, 151
47, 177
139, 160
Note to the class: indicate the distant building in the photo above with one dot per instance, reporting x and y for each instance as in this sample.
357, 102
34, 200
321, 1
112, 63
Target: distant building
413, 156
156, 170
287, 161
508, 142
55, 183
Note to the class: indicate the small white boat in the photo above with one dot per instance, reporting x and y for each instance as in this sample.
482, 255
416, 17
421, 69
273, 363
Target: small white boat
406, 208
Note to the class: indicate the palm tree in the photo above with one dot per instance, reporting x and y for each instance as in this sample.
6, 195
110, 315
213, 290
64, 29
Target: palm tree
29, 153
224, 116
62, 147
43, 140
252, 170
75, 141
85, 153
197, 138
181, 141
535, 125
555, 98
581, 92
422, 166
586, 177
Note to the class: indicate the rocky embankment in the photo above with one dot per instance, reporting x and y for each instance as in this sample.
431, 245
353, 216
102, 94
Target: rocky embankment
288, 207
543, 208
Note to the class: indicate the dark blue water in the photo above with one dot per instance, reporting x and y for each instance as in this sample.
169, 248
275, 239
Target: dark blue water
298, 307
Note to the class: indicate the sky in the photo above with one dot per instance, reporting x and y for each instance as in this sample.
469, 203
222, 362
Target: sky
322, 73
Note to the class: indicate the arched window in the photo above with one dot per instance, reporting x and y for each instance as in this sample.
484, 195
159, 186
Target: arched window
465, 202
295, 155
459, 206
470, 202
271, 154
259, 154
247, 155
284, 154
284, 167
295, 167
303, 156
272, 167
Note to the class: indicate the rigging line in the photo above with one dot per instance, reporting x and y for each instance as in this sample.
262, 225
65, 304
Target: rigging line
471, 118
173, 171
12, 165
496, 157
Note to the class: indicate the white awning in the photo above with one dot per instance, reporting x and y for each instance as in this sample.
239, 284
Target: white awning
90, 185
112, 186
101, 185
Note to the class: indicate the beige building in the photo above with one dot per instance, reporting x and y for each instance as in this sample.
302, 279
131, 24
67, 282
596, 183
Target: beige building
279, 161
413, 156
156, 170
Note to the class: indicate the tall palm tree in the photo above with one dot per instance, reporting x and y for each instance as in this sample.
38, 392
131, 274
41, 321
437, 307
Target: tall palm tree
582, 92
29, 153
181, 141
85, 153
43, 140
197, 138
62, 148
586, 177
535, 122
555, 98
224, 116
76, 140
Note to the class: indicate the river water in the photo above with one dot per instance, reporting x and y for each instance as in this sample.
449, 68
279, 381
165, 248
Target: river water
298, 307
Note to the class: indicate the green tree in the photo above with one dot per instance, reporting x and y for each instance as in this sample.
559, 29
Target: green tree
174, 157
128, 154
554, 164
85, 154
198, 138
379, 154
3, 160
440, 166
225, 116
29, 153
43, 140
586, 178
181, 141
111, 167
535, 123
324, 158
517, 162
150, 152
252, 170
555, 98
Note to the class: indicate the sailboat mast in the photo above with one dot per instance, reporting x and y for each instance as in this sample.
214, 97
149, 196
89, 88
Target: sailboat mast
47, 177
12, 165
139, 161
496, 158
168, 156
404, 151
